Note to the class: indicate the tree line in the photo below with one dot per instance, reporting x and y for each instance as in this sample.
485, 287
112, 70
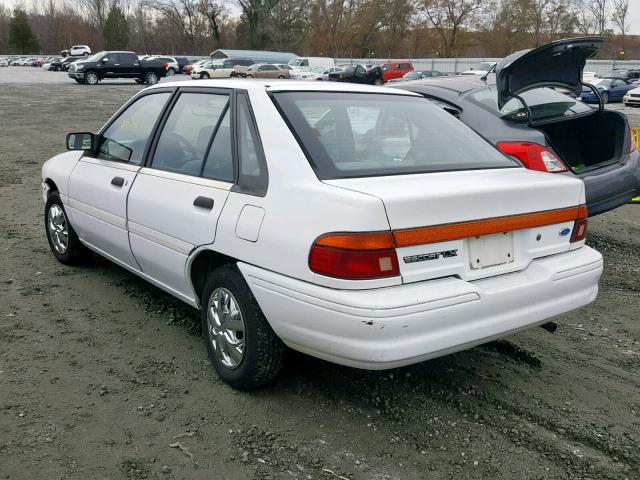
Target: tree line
336, 28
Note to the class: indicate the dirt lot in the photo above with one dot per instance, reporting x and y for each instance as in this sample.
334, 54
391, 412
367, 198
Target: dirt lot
101, 374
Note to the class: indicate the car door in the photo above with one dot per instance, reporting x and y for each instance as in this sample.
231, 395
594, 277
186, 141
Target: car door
101, 181
176, 199
109, 65
618, 89
129, 65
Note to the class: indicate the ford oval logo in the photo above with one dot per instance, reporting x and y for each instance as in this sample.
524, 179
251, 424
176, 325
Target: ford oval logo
565, 231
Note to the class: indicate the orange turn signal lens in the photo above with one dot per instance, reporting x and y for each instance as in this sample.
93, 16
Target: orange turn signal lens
357, 241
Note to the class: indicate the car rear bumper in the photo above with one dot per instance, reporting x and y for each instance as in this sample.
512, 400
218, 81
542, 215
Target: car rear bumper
395, 326
612, 186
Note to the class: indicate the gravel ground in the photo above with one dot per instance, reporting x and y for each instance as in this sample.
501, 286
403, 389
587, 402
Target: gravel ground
105, 376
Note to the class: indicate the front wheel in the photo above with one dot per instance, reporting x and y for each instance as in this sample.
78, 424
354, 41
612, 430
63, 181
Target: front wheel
378, 81
151, 78
281, 77
63, 240
242, 347
204, 75
91, 78
605, 97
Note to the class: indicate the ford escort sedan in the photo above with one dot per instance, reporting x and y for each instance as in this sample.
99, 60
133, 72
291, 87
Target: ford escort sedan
358, 224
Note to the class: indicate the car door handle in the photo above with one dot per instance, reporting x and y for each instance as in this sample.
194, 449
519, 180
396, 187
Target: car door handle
117, 181
204, 202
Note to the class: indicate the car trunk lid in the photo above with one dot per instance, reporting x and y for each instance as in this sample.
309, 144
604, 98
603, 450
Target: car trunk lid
474, 224
556, 64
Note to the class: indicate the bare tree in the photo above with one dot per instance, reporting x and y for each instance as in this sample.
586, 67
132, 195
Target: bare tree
213, 11
449, 17
619, 16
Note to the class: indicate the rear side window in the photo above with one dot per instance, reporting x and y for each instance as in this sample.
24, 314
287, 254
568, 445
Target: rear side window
361, 134
253, 176
187, 133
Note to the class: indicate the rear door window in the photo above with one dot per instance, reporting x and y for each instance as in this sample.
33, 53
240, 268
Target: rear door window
187, 133
361, 134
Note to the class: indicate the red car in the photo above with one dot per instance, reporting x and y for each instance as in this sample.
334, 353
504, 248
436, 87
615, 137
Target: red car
392, 70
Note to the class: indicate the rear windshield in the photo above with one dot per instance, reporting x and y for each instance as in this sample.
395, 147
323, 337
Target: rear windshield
362, 134
544, 103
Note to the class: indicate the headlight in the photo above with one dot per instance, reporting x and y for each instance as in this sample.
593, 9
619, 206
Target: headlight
79, 67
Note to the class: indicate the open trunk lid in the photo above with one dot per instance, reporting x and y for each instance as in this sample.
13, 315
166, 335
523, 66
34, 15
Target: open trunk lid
527, 215
556, 64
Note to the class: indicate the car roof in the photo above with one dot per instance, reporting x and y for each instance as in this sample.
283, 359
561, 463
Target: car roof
454, 84
284, 85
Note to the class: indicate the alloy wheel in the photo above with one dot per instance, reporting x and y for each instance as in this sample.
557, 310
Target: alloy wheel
58, 229
226, 327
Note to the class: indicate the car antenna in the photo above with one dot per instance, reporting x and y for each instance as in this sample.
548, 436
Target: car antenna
492, 69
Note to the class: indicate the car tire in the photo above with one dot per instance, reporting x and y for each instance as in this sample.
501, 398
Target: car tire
204, 75
605, 97
91, 78
170, 72
378, 82
63, 240
151, 78
248, 75
85, 54
247, 354
281, 77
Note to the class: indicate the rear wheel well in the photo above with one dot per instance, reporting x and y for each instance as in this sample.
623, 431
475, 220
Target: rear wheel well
206, 261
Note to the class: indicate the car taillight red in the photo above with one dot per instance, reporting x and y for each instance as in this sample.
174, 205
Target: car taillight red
533, 156
165, 65
355, 256
580, 225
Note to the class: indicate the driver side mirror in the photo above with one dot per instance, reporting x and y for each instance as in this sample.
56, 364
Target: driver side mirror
81, 141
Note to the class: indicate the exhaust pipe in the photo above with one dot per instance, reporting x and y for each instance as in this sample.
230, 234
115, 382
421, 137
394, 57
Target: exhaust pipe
550, 326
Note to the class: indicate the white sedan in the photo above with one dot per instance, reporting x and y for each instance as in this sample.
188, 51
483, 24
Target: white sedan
211, 70
317, 73
362, 225
632, 98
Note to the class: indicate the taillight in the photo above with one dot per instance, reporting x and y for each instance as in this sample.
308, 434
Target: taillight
580, 226
534, 156
355, 256
632, 141
165, 65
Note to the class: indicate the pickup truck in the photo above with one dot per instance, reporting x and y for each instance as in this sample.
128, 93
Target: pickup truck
117, 65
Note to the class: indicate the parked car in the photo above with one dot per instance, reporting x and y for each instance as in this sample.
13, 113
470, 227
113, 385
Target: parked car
170, 64
48, 65
480, 69
182, 62
212, 70
610, 90
632, 75
393, 70
244, 225
80, 50
264, 70
4, 62
110, 64
189, 68
632, 98
307, 63
417, 75
358, 74
552, 132
316, 73
66, 63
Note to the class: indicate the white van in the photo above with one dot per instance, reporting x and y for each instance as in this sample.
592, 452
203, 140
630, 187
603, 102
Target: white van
304, 64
